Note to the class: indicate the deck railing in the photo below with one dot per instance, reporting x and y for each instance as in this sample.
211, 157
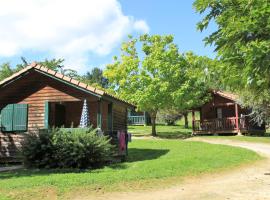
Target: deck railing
215, 125
136, 120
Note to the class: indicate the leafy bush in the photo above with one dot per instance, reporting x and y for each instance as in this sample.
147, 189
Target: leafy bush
169, 116
81, 148
38, 150
71, 148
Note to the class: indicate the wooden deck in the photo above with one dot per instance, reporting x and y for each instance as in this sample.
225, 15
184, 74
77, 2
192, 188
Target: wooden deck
224, 125
136, 120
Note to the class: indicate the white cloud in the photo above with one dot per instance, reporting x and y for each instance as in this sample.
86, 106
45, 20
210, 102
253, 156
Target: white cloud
69, 29
141, 25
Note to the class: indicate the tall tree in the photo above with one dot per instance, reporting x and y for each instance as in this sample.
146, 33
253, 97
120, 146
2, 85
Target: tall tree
5, 71
55, 64
169, 116
242, 42
200, 76
158, 81
205, 70
96, 77
185, 115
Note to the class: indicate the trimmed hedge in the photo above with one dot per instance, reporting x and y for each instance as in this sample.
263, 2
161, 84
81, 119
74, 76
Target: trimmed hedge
72, 148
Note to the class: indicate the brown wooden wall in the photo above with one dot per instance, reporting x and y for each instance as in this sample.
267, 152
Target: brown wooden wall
9, 146
35, 89
209, 110
119, 118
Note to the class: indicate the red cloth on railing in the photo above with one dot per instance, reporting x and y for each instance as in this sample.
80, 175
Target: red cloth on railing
122, 141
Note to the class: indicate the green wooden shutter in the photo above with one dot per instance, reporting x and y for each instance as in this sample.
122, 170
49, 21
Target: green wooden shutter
20, 117
7, 118
46, 115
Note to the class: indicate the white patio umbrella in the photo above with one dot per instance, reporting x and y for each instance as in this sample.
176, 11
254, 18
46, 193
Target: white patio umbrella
84, 122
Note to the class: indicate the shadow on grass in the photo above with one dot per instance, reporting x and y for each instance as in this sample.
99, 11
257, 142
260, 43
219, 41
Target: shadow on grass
134, 156
168, 135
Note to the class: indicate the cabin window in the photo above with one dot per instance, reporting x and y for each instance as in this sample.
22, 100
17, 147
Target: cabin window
219, 113
14, 118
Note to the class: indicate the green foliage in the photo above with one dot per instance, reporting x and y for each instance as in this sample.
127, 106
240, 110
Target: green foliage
242, 41
5, 71
95, 77
161, 79
205, 71
80, 148
168, 116
197, 79
74, 148
259, 101
57, 65
38, 150
53, 64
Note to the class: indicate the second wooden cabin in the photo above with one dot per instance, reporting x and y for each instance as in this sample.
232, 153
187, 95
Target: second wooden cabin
222, 114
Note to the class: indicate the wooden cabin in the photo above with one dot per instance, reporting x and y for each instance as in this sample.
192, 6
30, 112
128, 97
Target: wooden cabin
223, 115
38, 98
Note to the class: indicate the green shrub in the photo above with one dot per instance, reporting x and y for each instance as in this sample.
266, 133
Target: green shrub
38, 150
81, 148
71, 148
168, 116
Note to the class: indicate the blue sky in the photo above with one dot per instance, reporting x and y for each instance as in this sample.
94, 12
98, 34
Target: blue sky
88, 33
174, 17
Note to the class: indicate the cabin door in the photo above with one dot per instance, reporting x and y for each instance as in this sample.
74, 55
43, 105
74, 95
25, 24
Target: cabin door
60, 115
219, 117
219, 113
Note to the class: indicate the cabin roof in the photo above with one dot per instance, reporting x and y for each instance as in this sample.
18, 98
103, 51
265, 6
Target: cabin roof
226, 95
63, 78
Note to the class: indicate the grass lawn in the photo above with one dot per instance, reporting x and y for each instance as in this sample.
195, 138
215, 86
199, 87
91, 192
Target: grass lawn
163, 131
150, 162
258, 139
177, 131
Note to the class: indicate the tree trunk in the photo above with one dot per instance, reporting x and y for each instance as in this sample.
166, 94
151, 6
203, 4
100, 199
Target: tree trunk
153, 122
186, 119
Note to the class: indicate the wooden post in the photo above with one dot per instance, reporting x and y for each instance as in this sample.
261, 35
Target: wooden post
237, 119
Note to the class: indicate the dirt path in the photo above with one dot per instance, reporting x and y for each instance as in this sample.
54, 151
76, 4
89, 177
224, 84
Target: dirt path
247, 183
